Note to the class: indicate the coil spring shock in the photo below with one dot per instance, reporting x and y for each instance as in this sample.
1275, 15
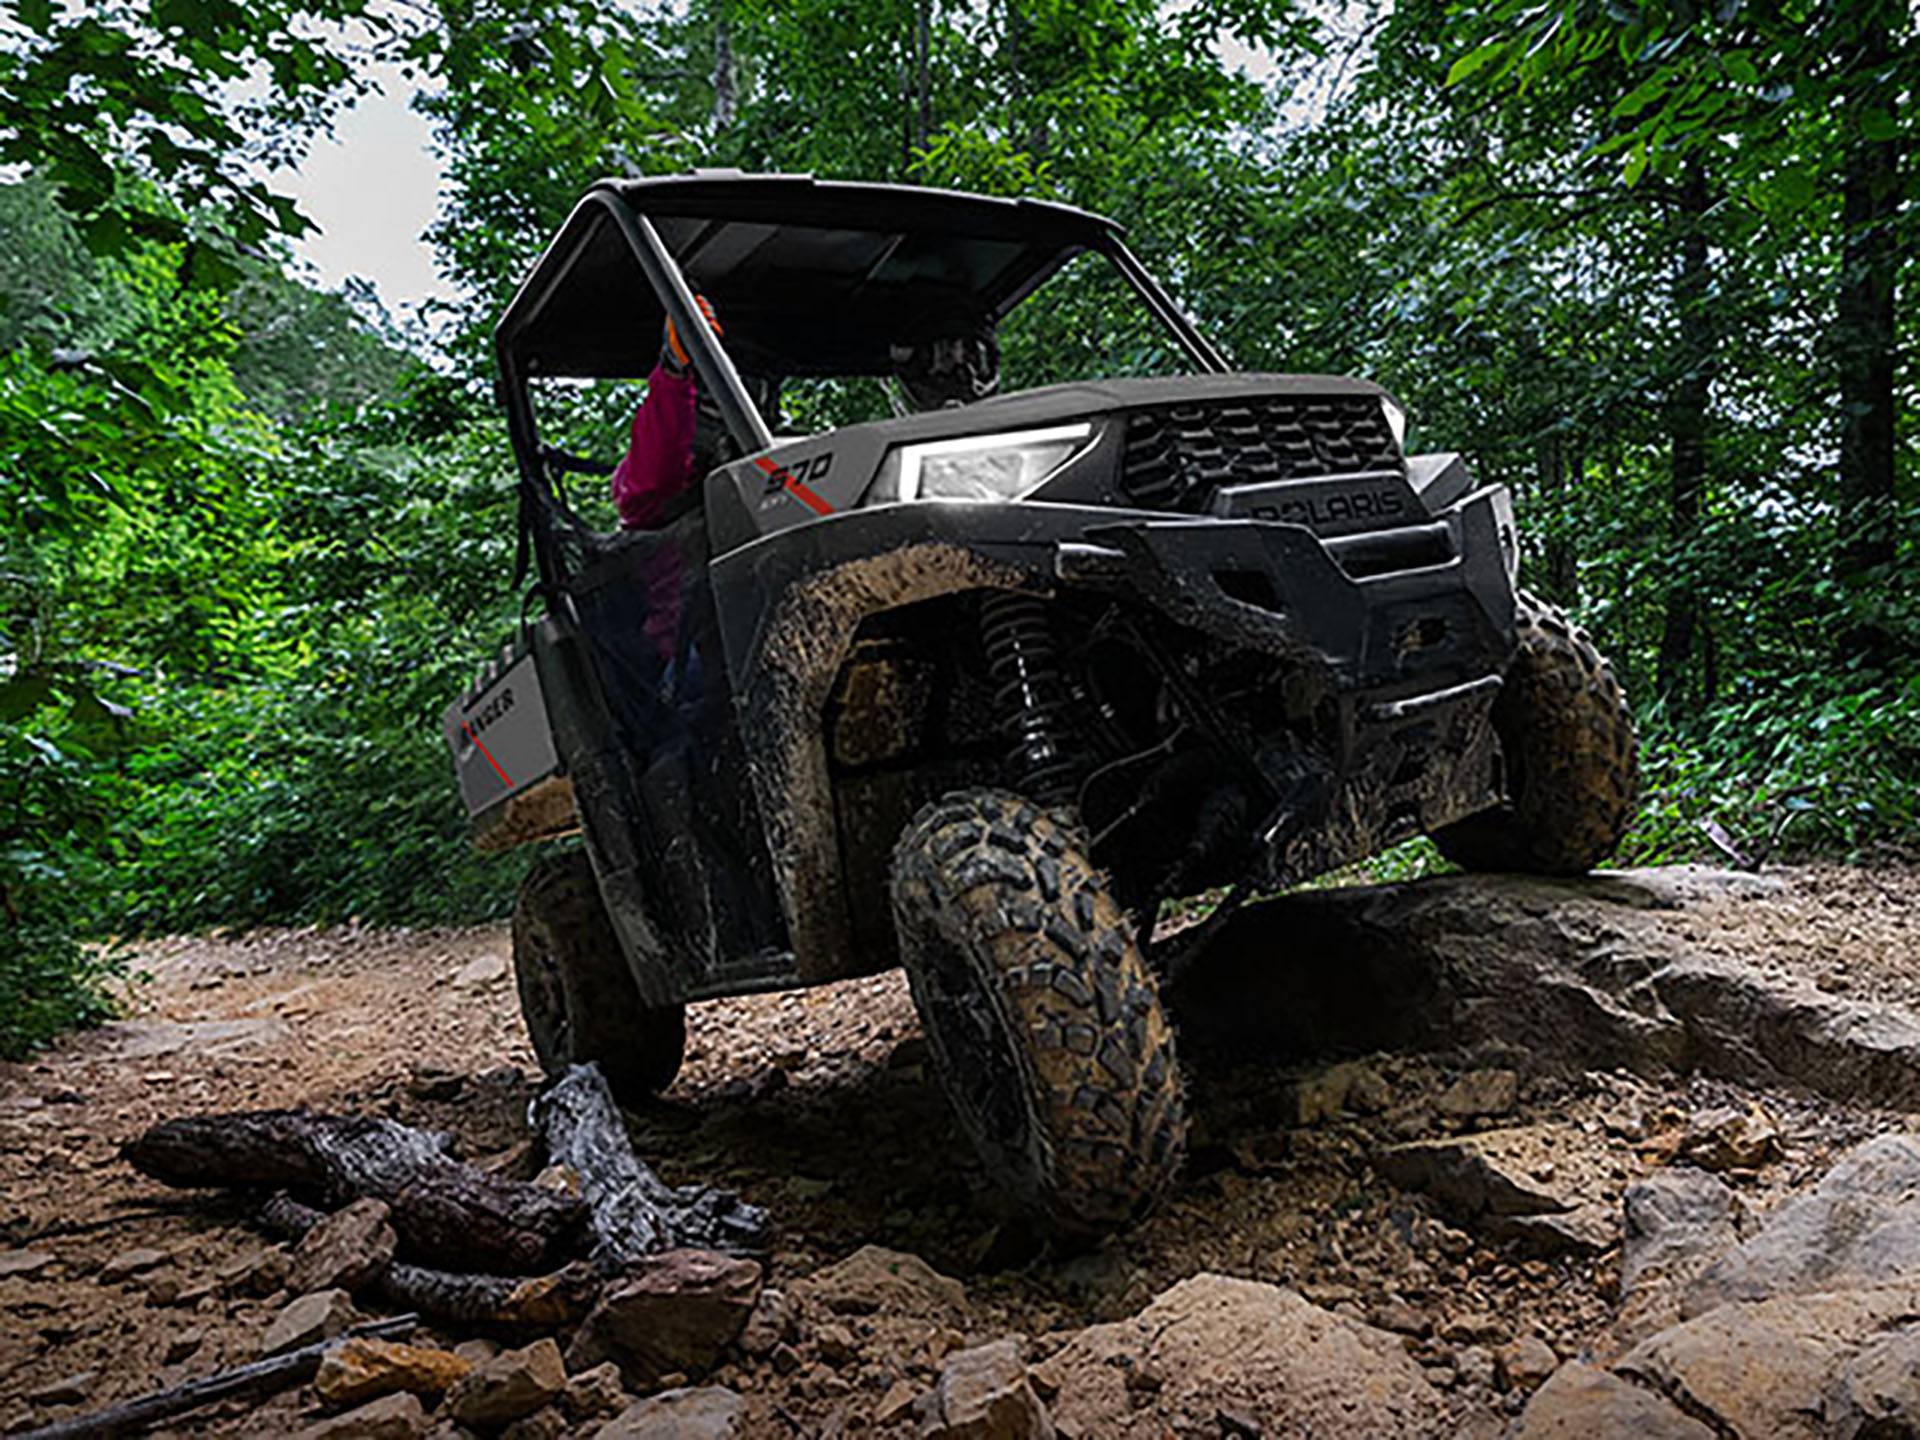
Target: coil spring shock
1030, 694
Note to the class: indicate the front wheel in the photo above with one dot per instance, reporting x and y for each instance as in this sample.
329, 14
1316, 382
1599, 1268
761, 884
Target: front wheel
1568, 740
1042, 1019
578, 999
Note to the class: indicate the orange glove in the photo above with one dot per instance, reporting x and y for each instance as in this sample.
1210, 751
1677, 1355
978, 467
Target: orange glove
673, 354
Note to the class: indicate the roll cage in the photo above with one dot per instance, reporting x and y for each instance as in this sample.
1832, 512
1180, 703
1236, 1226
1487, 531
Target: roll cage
815, 278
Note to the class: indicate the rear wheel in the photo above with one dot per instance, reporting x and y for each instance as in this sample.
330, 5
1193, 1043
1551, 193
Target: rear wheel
1568, 740
576, 994
1042, 1019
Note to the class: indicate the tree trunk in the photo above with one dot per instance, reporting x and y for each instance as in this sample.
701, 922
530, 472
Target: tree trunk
923, 71
442, 1209
1687, 429
634, 1212
1553, 492
1864, 340
726, 78
538, 1302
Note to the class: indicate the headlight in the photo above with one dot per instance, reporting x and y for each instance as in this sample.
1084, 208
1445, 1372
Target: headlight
977, 467
1396, 420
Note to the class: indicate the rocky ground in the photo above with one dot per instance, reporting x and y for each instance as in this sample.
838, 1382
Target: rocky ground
1621, 1156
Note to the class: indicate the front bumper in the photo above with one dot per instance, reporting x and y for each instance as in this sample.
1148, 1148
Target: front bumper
1413, 648
1391, 612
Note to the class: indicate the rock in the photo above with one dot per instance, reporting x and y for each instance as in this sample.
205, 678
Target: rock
769, 1324
1480, 1093
546, 1423
1583, 1230
23, 1262
1474, 1327
896, 1404
835, 1344
512, 1384
1220, 1343
1368, 1093
677, 1310
319, 1316
483, 972
182, 1345
360, 1368
255, 1272
1475, 1365
1730, 1139
129, 1263
478, 1350
348, 1250
1859, 1226
1525, 1363
1584, 1402
1599, 972
874, 1281
1401, 1318
594, 1393
391, 1417
1878, 1390
710, 1412
1492, 1173
67, 1390
1762, 1369
984, 1394
1676, 1222
1328, 1093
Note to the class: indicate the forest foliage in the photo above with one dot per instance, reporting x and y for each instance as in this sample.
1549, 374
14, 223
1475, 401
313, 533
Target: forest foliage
1650, 264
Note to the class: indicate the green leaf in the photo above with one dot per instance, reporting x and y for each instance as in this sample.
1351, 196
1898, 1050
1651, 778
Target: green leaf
1879, 125
1475, 61
1636, 164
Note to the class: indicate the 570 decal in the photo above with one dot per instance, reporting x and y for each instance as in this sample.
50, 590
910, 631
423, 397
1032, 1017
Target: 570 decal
793, 479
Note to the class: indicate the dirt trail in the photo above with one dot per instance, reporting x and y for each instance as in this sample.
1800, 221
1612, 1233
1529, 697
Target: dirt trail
816, 1105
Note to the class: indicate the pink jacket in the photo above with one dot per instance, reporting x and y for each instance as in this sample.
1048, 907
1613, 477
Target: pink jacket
659, 462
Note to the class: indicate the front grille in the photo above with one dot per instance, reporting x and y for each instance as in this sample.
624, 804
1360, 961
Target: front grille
1178, 455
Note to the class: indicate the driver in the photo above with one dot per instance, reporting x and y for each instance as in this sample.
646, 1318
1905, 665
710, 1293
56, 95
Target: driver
658, 466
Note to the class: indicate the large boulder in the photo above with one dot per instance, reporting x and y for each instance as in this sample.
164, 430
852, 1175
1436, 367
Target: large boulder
672, 1313
1678, 1221
1213, 1345
1766, 1370
1594, 973
1859, 1226
1583, 1402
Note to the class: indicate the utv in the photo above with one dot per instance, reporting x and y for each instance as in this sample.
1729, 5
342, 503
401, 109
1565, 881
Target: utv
975, 690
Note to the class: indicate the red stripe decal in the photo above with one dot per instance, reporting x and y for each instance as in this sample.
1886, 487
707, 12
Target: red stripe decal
794, 487
488, 753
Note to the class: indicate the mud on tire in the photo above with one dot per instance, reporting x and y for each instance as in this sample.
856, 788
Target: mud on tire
1569, 744
576, 993
1042, 1019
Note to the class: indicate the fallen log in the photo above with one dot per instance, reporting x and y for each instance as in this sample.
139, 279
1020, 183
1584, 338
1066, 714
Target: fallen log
543, 1302
633, 1211
261, 1377
442, 1210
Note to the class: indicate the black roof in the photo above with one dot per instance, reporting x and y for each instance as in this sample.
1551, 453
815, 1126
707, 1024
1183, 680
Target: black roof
810, 277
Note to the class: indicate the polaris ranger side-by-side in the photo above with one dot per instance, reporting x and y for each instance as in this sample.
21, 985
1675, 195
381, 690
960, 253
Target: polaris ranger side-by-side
974, 690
